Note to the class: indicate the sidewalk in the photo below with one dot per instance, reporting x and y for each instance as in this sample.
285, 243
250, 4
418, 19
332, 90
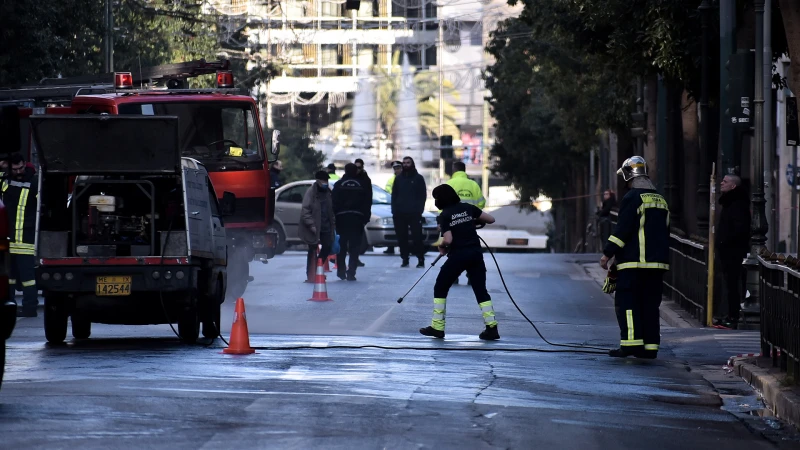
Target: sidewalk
703, 349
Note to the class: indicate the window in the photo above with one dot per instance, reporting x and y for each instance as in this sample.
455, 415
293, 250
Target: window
294, 194
476, 34
380, 197
212, 200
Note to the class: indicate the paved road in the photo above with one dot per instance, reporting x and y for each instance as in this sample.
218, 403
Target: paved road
137, 387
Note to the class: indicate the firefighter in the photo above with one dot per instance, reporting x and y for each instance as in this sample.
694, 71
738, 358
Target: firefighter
467, 190
640, 248
463, 248
19, 195
331, 169
397, 166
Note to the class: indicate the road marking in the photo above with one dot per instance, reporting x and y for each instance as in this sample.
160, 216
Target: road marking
248, 392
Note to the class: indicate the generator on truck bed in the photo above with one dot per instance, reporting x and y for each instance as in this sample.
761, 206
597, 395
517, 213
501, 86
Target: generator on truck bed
217, 126
128, 231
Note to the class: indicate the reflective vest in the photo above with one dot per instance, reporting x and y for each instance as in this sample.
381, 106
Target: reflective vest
390, 183
641, 238
19, 198
467, 190
333, 177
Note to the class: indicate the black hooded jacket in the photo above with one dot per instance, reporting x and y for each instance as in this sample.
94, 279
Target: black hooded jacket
409, 193
352, 196
733, 230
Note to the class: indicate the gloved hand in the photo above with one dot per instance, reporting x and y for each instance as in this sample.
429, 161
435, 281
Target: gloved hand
610, 285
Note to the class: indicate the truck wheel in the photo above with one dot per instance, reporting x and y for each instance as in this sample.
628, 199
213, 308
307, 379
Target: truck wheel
55, 319
213, 316
189, 324
81, 328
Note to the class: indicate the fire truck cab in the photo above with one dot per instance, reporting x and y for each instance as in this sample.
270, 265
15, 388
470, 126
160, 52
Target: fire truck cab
218, 127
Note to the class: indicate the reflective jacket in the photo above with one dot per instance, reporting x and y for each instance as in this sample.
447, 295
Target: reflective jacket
19, 198
641, 237
467, 190
332, 176
390, 183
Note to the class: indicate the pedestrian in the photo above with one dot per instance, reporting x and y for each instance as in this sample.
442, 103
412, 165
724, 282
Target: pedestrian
733, 241
397, 167
604, 214
275, 175
317, 222
365, 181
463, 249
353, 209
331, 169
20, 191
640, 247
468, 190
408, 204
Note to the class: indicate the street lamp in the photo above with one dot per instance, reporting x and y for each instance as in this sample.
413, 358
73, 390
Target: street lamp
759, 227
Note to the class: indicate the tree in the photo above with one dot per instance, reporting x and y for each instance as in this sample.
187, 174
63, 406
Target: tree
300, 161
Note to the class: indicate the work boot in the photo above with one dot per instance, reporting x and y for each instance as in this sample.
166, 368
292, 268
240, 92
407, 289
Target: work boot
420, 264
405, 263
361, 264
490, 333
351, 278
624, 353
341, 274
430, 331
647, 354
389, 251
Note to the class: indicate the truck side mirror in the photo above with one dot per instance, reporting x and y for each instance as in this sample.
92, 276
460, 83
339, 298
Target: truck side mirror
228, 205
276, 143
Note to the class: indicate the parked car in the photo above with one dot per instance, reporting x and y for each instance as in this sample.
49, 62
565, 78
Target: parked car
379, 232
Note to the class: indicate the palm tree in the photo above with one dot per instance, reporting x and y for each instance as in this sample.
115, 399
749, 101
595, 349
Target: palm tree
426, 87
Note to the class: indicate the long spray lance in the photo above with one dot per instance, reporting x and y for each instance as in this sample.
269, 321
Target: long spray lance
400, 300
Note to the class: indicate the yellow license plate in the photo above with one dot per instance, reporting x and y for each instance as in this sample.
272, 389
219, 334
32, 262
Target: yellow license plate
113, 286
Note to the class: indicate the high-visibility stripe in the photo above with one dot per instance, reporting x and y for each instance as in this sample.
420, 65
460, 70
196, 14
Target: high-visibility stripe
667, 218
22, 252
629, 319
631, 342
651, 347
20, 222
22, 184
616, 240
12, 281
644, 206
29, 283
469, 201
641, 239
488, 313
20, 245
642, 265
439, 306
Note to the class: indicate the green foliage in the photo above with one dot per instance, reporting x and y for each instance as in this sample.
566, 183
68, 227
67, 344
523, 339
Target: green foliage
300, 161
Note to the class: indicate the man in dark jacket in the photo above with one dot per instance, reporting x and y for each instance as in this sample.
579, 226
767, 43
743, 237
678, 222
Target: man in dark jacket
408, 204
733, 242
353, 208
275, 175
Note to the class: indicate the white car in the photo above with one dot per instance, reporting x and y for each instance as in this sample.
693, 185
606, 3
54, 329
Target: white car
378, 232
499, 238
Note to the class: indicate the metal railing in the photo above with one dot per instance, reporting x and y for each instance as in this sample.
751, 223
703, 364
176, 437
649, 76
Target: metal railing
780, 313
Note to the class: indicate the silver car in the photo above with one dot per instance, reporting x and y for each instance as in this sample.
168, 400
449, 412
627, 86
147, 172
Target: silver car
379, 232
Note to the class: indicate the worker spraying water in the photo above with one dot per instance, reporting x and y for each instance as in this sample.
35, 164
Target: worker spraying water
461, 244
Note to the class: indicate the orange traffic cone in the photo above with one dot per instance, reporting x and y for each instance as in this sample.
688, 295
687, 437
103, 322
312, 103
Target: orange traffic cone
320, 289
240, 337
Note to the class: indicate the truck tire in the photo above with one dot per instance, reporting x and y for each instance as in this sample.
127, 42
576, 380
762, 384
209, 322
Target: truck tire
280, 248
189, 324
81, 328
211, 323
55, 318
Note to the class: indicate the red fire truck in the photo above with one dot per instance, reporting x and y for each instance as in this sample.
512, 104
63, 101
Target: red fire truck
219, 127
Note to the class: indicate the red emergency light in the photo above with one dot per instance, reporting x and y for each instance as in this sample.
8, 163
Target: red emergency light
123, 80
224, 79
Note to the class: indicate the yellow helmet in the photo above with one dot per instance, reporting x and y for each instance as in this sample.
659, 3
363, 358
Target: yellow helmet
635, 166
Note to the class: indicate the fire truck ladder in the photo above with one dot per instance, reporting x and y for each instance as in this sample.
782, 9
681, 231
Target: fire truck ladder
61, 91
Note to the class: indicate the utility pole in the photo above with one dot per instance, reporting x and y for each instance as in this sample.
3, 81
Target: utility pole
439, 55
593, 195
758, 229
702, 207
109, 40
769, 140
727, 46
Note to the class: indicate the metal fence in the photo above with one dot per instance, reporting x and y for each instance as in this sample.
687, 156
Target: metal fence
780, 316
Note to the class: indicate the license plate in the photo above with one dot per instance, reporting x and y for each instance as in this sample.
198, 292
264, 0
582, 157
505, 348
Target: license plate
516, 242
113, 286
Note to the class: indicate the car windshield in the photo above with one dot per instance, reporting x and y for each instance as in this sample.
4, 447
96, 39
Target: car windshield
210, 131
380, 197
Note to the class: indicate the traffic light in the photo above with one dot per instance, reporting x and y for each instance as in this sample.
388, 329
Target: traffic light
446, 147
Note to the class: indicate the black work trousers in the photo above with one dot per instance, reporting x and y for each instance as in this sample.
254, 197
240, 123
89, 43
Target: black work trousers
350, 228
469, 260
326, 242
402, 224
23, 276
733, 272
637, 302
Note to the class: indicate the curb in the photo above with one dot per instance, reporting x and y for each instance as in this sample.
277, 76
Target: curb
759, 373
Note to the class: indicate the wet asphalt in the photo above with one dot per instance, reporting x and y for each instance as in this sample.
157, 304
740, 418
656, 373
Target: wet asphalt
138, 387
